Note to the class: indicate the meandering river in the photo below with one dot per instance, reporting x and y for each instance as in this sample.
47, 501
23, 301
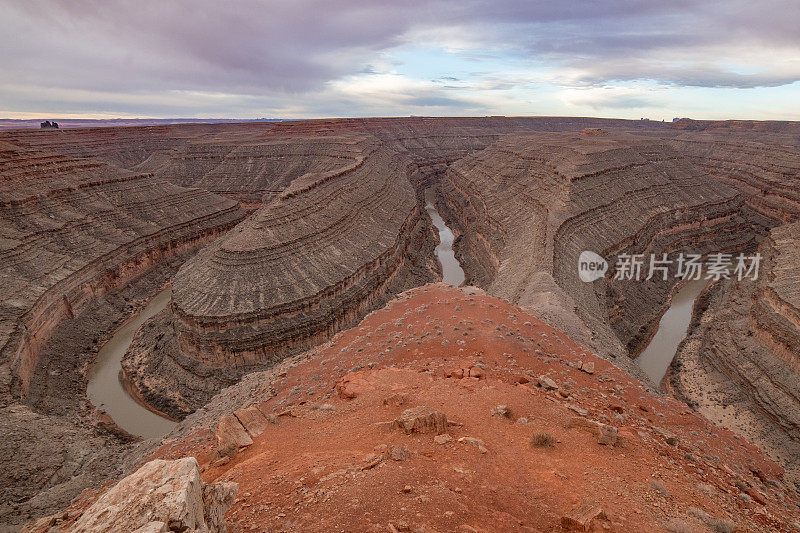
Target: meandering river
452, 272
656, 358
107, 393
105, 390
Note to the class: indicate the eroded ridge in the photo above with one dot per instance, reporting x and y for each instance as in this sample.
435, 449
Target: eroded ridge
304, 265
72, 230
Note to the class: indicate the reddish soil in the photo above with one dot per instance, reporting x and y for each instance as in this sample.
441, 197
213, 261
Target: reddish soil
327, 464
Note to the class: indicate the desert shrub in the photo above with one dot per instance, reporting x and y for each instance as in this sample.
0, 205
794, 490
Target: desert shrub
543, 440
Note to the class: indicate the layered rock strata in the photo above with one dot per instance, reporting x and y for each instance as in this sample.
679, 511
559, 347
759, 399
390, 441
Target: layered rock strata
126, 147
765, 167
253, 170
311, 261
527, 206
74, 229
331, 246
739, 365
523, 205
162, 378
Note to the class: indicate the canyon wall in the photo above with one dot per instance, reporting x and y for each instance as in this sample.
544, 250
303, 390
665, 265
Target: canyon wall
527, 206
739, 365
336, 243
309, 261
340, 228
762, 166
73, 229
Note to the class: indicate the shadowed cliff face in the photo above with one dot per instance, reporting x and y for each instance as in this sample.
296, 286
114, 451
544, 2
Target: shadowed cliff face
528, 205
74, 229
739, 365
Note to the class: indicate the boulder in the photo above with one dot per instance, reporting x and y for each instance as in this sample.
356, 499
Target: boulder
253, 420
422, 419
231, 436
547, 383
502, 411
161, 495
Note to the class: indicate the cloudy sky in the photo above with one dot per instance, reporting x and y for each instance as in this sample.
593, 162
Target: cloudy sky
297, 58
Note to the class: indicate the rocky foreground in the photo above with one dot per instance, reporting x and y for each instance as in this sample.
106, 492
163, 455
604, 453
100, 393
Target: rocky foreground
450, 410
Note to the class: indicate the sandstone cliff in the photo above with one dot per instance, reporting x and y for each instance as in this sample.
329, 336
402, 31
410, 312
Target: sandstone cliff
739, 365
73, 230
530, 203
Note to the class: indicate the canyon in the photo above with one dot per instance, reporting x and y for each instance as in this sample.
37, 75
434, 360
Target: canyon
276, 240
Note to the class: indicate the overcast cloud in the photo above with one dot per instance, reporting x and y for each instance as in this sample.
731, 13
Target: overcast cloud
248, 58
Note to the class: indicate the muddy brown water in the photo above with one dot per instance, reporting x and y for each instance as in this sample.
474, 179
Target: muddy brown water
452, 272
659, 353
105, 390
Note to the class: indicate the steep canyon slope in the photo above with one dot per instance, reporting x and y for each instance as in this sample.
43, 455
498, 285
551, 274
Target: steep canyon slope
74, 229
77, 237
528, 205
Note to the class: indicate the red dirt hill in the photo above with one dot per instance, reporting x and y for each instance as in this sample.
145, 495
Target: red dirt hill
536, 435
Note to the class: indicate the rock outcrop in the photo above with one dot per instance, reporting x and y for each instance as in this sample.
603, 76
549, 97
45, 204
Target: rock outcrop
163, 496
